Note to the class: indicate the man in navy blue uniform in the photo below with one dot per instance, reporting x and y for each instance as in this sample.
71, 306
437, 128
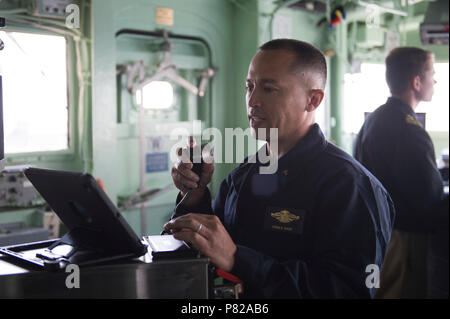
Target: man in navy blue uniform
316, 228
394, 146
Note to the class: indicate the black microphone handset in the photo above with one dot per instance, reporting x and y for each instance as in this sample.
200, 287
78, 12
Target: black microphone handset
195, 157
194, 154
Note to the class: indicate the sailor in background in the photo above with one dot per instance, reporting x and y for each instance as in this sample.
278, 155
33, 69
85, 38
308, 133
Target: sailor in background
393, 145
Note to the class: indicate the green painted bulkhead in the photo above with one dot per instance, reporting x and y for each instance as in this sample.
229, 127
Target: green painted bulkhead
220, 34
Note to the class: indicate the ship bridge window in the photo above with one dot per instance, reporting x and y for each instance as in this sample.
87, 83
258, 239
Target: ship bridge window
35, 93
157, 95
363, 93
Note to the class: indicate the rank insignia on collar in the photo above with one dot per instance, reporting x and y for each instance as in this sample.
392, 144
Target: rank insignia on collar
285, 216
411, 120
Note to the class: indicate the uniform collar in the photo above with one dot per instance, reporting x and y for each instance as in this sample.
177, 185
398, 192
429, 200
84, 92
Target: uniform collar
303, 152
402, 106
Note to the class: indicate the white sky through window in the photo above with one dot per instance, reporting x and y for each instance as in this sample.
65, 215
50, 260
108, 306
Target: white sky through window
35, 98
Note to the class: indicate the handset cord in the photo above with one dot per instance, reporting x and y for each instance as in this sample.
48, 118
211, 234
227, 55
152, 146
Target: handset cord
175, 213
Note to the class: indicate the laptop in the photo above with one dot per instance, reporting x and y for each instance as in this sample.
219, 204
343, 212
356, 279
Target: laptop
97, 232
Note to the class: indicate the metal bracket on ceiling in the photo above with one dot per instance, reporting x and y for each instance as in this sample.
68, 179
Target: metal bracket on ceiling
137, 79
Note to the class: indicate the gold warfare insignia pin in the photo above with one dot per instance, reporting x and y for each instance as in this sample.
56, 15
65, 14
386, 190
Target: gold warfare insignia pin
286, 220
411, 120
285, 216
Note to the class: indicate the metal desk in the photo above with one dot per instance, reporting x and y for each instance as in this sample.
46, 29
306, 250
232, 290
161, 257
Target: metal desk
140, 278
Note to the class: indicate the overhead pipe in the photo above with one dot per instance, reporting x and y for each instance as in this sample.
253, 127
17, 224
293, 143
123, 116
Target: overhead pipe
358, 10
382, 9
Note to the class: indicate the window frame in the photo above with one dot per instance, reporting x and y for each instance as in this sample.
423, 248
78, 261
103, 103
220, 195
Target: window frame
68, 154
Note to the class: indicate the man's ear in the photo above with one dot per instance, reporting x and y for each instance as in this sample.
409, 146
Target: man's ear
315, 98
416, 83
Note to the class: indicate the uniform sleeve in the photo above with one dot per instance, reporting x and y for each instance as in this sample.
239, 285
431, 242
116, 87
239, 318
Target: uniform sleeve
418, 189
352, 224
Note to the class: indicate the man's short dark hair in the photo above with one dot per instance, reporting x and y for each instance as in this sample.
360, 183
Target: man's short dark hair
308, 57
402, 65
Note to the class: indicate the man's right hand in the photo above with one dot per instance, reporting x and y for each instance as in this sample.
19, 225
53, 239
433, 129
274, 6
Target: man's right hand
185, 179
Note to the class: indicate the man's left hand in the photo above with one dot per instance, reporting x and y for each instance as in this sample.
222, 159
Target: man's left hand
207, 234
